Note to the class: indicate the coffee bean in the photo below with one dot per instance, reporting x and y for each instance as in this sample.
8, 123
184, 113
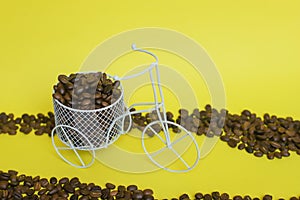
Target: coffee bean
247, 197
95, 194
17, 195
275, 144
137, 194
148, 197
116, 84
184, 197
199, 196
53, 180
69, 188
63, 79
121, 188
148, 192
215, 195
285, 153
207, 197
294, 198
110, 186
267, 197
3, 185
104, 103
224, 138
132, 187
29, 192
183, 113
61, 90
249, 149
278, 155
85, 192
58, 97
258, 154
64, 180
232, 143
237, 197
44, 182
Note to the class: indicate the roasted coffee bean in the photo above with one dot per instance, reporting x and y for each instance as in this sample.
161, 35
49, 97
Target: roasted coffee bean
85, 192
132, 187
137, 194
53, 180
237, 197
278, 155
42, 191
224, 138
258, 154
116, 84
29, 192
64, 180
69, 188
224, 196
58, 97
3, 185
285, 153
95, 194
267, 197
275, 144
121, 188
215, 195
207, 197
148, 192
61, 90
294, 198
184, 197
249, 149
44, 182
148, 197
110, 186
247, 197
270, 156
105, 193
63, 79
17, 195
232, 143
104, 103
198, 196
74, 197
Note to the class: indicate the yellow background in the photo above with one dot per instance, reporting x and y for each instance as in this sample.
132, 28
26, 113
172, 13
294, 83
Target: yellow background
255, 45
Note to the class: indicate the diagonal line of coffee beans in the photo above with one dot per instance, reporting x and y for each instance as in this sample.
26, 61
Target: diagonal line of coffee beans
17, 186
271, 136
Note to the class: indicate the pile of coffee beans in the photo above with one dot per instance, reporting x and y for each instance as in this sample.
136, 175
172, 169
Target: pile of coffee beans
40, 124
87, 91
17, 186
271, 135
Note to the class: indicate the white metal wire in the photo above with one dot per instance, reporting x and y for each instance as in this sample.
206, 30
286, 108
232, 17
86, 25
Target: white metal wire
95, 129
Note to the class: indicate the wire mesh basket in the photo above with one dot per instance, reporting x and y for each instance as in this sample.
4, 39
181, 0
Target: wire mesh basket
100, 127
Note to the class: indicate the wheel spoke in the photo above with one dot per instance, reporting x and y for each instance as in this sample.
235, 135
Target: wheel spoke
180, 158
163, 141
159, 151
179, 139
